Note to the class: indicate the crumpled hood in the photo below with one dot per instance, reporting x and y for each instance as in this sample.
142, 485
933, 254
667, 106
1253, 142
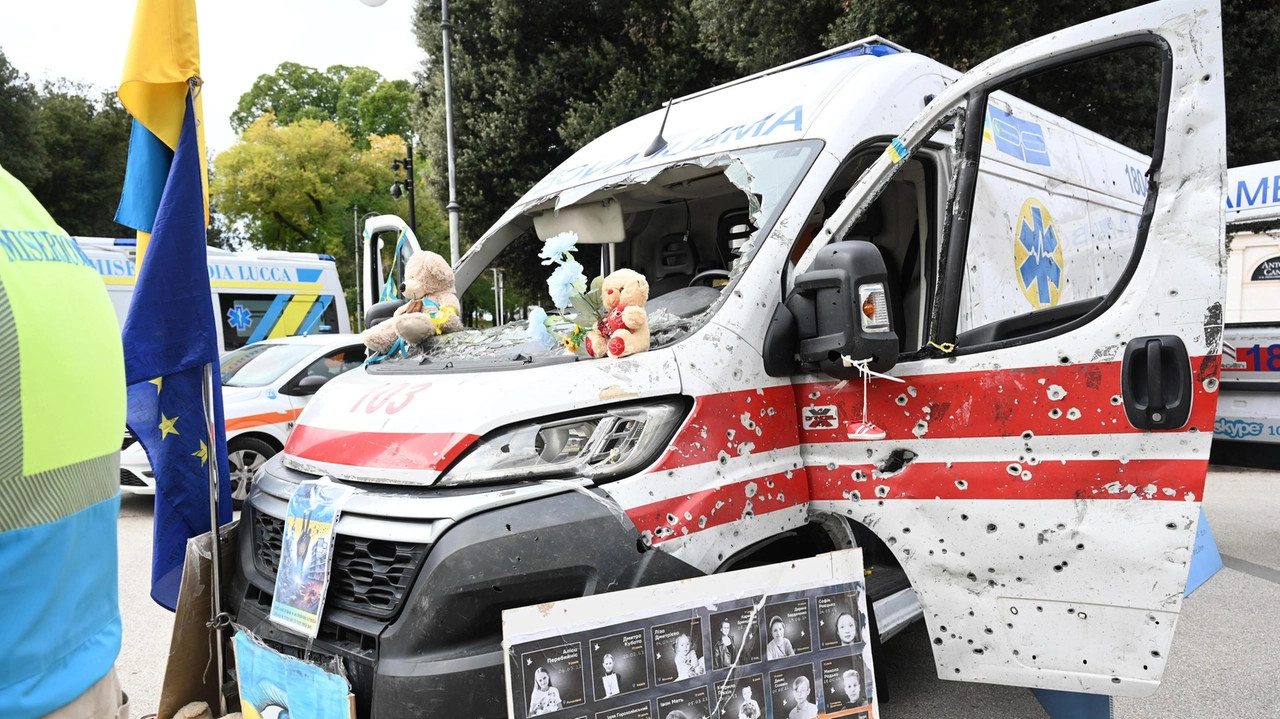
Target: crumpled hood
407, 428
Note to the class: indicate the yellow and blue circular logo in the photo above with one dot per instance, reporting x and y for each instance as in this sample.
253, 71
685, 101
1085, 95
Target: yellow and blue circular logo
1037, 255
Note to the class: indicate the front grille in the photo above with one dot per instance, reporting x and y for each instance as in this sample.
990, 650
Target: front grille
129, 439
129, 479
370, 576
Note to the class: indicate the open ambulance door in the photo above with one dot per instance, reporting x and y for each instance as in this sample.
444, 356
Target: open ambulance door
382, 277
1041, 468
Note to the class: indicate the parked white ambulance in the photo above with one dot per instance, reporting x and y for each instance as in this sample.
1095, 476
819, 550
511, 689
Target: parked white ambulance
1050, 299
1247, 430
257, 295
265, 385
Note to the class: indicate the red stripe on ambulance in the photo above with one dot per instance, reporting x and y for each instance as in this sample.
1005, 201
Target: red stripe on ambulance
385, 450
686, 514
734, 423
1158, 479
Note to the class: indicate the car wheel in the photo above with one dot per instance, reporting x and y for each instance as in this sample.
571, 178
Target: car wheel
245, 455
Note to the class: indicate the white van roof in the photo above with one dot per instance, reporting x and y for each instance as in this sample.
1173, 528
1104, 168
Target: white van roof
129, 246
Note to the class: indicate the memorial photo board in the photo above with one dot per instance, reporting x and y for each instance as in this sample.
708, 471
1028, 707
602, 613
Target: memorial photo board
783, 641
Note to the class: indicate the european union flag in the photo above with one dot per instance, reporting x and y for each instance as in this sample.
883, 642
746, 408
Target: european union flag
169, 337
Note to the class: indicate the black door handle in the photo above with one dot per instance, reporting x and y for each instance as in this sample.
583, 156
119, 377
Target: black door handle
1156, 382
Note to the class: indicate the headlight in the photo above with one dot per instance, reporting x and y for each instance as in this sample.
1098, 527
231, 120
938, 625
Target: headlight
601, 445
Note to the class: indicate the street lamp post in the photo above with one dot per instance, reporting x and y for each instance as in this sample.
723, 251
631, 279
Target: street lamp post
407, 163
446, 29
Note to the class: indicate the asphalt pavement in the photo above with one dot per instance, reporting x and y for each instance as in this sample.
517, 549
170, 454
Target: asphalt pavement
1225, 662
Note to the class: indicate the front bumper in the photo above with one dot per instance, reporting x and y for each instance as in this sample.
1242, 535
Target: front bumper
136, 476
414, 607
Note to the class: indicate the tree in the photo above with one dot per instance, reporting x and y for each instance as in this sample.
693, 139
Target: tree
358, 99
293, 187
21, 152
85, 138
532, 82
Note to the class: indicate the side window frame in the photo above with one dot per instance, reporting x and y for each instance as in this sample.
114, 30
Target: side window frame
953, 254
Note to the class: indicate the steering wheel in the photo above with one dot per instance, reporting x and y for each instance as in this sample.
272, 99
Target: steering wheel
705, 277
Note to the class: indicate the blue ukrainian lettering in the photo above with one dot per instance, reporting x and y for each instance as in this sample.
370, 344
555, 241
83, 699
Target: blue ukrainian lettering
796, 122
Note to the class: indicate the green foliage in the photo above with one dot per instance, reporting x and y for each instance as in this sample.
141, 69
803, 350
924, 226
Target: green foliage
86, 146
533, 82
755, 35
293, 187
21, 152
358, 99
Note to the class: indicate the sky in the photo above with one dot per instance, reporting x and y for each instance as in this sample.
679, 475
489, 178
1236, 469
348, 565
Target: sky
85, 41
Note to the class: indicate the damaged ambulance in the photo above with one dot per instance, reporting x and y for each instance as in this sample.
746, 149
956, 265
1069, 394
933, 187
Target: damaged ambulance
1050, 299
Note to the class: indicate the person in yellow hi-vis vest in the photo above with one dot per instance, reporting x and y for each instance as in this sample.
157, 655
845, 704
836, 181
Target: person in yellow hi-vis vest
62, 412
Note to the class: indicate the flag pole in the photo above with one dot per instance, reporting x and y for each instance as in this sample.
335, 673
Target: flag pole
218, 620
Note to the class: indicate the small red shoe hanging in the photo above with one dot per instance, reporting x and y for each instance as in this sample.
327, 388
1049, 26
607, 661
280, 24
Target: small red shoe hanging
865, 430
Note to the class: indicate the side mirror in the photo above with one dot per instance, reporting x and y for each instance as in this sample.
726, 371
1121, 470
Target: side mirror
381, 311
841, 308
309, 385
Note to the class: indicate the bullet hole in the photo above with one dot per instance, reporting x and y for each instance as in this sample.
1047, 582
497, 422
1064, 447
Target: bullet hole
961, 484
1096, 453
1116, 400
906, 530
1084, 661
901, 400
1070, 610
1061, 527
1015, 651
891, 541
496, 588
1027, 435
1115, 680
1057, 567
1014, 469
1055, 413
1013, 610
942, 629
971, 614
1073, 414
1056, 392
1155, 654
977, 651
671, 518
1079, 546
991, 570
957, 670
1039, 609
988, 630
1033, 657
880, 503
1064, 359
962, 554
938, 641
944, 551
964, 517
930, 552
1020, 556
1144, 667
897, 461
1171, 525
1082, 615
991, 529
508, 527
882, 491
1017, 579
1211, 384
942, 541
972, 577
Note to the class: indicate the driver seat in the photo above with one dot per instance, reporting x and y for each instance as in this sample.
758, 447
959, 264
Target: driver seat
672, 261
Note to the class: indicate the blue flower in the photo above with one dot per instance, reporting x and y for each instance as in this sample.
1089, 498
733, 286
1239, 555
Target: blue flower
557, 249
565, 279
538, 327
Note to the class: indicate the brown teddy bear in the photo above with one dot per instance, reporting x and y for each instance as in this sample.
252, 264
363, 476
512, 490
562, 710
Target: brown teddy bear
624, 329
432, 306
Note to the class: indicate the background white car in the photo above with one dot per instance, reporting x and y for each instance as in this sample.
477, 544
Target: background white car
265, 386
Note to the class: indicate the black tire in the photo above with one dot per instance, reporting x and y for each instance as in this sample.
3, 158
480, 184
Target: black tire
245, 456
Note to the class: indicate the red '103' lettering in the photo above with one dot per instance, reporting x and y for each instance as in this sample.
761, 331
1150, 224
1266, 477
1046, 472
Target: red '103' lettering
392, 398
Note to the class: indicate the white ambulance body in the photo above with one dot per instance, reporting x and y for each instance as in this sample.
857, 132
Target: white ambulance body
1248, 427
1054, 319
257, 295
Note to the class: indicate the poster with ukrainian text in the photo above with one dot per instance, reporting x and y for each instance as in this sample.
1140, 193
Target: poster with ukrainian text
778, 642
306, 555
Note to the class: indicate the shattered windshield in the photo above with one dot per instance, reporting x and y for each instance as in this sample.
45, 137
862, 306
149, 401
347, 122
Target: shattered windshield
689, 228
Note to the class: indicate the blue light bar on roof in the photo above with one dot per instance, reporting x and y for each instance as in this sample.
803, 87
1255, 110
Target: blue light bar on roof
873, 50
126, 242
329, 258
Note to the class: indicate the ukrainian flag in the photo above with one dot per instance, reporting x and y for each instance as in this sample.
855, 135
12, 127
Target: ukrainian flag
170, 332
162, 64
